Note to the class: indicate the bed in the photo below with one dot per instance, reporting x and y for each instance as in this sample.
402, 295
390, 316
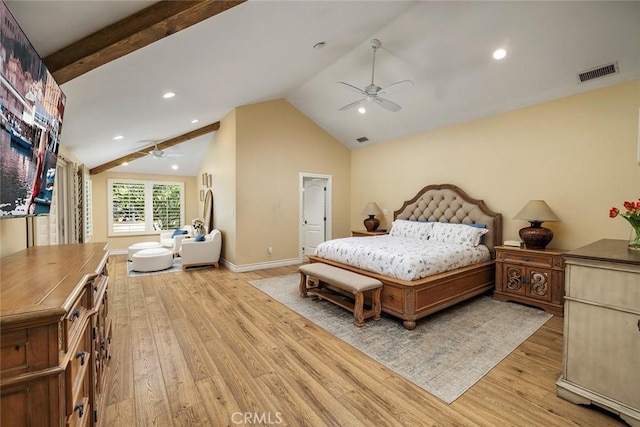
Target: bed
410, 298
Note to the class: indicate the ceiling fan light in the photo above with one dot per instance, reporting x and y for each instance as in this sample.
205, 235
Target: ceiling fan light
362, 110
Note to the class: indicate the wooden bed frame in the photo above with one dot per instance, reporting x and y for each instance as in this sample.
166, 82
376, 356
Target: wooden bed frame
413, 300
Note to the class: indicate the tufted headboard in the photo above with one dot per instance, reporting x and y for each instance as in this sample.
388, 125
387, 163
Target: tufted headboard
448, 203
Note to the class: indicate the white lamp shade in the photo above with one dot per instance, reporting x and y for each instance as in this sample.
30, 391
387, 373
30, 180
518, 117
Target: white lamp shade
537, 211
372, 208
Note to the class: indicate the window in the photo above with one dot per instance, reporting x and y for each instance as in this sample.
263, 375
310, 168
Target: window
139, 207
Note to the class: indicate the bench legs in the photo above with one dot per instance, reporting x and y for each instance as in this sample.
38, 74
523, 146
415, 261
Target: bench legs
357, 307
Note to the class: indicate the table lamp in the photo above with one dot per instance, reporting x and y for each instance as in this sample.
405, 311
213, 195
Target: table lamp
536, 212
372, 209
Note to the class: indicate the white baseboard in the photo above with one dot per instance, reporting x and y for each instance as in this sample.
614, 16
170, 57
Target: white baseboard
260, 266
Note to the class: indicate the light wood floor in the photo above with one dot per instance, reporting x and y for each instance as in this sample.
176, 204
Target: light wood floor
206, 348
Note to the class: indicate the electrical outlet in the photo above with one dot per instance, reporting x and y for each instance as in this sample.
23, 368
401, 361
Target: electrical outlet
269, 251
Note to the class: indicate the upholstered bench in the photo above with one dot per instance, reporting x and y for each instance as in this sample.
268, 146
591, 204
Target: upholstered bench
136, 247
355, 283
152, 259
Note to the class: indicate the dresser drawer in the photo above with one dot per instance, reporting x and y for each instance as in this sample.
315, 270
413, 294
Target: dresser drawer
13, 351
392, 298
74, 321
78, 376
616, 288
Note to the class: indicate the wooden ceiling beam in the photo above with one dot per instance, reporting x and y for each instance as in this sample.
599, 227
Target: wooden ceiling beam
161, 146
129, 34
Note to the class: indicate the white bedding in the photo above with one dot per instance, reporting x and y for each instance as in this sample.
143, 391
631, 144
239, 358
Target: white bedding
404, 258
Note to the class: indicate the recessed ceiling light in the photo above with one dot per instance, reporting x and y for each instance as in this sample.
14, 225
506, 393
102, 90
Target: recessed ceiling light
169, 95
174, 167
125, 163
118, 137
195, 121
499, 54
362, 110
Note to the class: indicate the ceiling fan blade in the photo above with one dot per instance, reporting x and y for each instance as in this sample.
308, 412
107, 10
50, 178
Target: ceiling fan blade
357, 89
353, 104
173, 155
395, 87
389, 105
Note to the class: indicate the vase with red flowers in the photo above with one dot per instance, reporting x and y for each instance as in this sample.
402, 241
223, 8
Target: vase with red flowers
632, 215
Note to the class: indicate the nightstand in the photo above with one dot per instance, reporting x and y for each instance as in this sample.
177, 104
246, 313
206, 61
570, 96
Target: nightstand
531, 276
365, 233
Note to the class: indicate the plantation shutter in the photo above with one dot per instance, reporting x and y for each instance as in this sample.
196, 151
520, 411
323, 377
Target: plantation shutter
166, 206
128, 207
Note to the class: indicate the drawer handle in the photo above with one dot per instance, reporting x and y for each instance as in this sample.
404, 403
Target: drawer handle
80, 408
74, 315
391, 297
525, 259
81, 356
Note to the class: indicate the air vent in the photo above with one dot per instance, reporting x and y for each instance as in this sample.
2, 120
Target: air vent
601, 71
362, 139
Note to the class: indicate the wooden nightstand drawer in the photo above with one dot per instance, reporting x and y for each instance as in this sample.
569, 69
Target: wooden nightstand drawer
531, 259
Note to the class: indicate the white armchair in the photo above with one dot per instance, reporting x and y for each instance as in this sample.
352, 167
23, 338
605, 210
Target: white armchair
207, 252
174, 243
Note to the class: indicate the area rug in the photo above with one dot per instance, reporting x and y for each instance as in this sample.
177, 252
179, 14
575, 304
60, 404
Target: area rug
445, 354
177, 266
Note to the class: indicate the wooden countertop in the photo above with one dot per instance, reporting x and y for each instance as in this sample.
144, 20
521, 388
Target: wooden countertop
606, 250
43, 279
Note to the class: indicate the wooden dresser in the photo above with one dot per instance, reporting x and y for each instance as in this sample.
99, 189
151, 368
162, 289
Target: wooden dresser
55, 335
602, 328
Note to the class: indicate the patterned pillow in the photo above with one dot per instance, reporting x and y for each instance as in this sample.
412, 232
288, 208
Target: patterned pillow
411, 229
457, 234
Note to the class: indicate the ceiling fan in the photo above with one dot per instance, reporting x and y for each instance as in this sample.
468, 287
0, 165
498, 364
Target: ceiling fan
157, 153
372, 93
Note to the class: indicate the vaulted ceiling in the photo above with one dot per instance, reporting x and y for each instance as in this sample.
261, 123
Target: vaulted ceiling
262, 50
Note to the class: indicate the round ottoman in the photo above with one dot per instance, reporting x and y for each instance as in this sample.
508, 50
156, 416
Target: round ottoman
141, 246
152, 259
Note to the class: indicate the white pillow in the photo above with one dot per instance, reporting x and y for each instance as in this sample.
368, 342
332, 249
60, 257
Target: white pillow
411, 229
457, 234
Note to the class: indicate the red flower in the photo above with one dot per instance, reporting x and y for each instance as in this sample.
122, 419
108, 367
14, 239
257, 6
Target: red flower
613, 212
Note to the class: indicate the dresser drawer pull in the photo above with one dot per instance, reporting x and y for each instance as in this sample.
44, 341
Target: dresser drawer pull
80, 408
81, 356
525, 259
74, 315
391, 297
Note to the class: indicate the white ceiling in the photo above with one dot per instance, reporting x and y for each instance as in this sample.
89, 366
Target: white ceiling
263, 50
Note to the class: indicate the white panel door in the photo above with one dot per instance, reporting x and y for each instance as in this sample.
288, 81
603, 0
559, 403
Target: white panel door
314, 217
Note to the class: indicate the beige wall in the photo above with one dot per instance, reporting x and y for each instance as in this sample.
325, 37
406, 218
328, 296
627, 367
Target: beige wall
275, 143
577, 153
220, 162
99, 205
